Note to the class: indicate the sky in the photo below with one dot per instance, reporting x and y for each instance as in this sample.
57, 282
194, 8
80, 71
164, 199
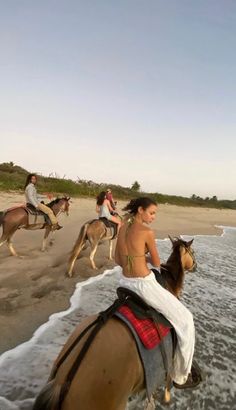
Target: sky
121, 91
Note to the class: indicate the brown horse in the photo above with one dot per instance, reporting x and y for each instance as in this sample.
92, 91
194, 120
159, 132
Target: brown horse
18, 218
94, 232
111, 371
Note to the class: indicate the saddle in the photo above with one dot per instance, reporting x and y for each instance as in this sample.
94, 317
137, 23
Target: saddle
32, 210
111, 225
140, 308
39, 216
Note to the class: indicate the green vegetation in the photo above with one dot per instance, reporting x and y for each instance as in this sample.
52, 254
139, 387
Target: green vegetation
12, 177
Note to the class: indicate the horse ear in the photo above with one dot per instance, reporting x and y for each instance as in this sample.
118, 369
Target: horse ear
171, 239
190, 242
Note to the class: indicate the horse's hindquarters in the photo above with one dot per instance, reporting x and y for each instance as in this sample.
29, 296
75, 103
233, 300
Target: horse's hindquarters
109, 373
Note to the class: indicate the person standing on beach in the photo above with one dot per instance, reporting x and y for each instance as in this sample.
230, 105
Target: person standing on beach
134, 240
33, 198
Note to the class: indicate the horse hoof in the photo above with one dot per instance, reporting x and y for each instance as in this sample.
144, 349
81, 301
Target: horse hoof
166, 398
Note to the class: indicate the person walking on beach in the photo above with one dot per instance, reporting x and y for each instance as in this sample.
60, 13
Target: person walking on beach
104, 209
33, 198
134, 240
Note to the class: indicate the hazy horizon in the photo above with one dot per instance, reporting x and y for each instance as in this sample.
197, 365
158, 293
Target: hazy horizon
75, 179
122, 91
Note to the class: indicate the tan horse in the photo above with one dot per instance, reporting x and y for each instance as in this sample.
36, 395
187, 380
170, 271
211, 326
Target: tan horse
18, 218
111, 370
94, 232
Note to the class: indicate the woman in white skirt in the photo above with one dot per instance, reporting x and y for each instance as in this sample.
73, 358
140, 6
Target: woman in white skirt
135, 239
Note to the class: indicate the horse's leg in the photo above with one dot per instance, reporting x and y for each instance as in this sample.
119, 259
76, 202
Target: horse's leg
110, 249
52, 239
11, 222
166, 398
11, 248
2, 241
94, 246
71, 266
75, 253
7, 238
78, 246
47, 231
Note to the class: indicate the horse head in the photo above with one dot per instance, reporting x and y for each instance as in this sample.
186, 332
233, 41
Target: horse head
59, 205
181, 259
186, 252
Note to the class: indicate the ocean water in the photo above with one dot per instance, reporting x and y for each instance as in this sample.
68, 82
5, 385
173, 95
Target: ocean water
210, 295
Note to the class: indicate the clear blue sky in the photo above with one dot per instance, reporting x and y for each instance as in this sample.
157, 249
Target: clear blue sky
118, 91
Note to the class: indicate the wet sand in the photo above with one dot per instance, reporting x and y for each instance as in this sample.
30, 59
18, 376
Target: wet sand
35, 286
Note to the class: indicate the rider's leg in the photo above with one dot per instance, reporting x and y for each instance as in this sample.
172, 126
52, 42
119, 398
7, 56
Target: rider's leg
116, 220
48, 212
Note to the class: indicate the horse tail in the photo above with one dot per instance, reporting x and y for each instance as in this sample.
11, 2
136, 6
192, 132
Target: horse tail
78, 246
49, 397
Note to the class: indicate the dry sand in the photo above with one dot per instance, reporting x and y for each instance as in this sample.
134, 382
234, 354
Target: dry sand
34, 287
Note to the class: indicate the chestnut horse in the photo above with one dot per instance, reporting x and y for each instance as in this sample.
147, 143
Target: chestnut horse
17, 218
111, 370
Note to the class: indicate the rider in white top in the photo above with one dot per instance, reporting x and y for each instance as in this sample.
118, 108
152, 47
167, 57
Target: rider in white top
104, 209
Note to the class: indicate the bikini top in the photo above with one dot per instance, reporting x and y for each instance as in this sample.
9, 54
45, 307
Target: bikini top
130, 258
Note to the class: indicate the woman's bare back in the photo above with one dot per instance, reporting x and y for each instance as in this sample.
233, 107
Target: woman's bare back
132, 244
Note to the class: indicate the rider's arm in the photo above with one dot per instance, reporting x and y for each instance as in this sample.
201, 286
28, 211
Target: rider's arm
109, 205
154, 258
97, 209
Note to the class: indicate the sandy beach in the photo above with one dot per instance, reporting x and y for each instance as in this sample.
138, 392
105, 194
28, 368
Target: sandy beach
35, 286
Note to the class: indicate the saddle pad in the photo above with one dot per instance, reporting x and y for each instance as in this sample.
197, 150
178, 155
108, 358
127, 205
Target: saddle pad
148, 333
152, 361
34, 219
111, 225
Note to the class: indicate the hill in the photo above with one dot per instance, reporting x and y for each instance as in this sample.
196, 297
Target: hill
12, 177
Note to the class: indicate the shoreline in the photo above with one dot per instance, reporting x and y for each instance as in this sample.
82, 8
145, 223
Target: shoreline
33, 288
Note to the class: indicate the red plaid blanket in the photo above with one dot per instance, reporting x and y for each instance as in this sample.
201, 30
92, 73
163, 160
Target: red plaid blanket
145, 328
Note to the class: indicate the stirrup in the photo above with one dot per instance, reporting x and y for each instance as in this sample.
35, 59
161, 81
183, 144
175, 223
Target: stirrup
193, 380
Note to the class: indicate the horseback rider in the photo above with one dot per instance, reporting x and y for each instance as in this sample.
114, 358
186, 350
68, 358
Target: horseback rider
104, 209
34, 199
135, 239
109, 196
